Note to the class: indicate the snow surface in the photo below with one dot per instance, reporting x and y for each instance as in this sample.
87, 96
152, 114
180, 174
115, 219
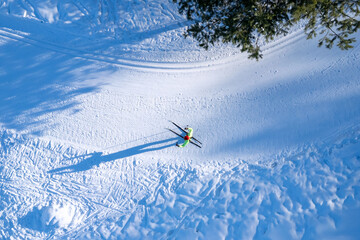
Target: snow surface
86, 92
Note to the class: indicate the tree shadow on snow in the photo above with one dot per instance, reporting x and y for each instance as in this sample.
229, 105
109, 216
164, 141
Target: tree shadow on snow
96, 158
297, 111
35, 81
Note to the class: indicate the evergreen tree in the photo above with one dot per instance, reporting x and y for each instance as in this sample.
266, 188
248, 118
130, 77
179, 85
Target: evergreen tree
243, 22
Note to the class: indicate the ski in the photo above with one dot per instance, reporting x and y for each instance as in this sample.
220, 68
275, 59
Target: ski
175, 133
184, 131
183, 137
181, 129
195, 144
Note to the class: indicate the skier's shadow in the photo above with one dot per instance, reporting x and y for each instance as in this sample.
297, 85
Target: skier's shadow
96, 158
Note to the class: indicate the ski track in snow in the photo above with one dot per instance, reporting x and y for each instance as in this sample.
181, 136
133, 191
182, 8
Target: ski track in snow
143, 65
88, 157
207, 59
301, 191
131, 64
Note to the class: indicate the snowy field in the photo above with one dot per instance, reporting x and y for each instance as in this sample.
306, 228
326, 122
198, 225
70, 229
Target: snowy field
87, 89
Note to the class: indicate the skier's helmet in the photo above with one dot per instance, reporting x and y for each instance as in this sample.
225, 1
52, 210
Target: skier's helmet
187, 137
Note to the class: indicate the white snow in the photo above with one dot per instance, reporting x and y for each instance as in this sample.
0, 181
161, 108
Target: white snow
54, 216
86, 92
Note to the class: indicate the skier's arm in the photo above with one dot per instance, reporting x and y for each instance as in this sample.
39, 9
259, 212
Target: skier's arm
190, 132
184, 144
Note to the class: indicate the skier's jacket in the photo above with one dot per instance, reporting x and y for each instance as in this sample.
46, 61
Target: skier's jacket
187, 138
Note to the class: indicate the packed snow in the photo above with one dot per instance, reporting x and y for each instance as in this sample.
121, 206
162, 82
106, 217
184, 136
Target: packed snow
87, 89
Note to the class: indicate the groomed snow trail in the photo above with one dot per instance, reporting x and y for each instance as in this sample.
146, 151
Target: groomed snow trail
86, 92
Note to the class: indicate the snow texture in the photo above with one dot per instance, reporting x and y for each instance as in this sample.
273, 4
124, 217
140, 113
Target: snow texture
87, 89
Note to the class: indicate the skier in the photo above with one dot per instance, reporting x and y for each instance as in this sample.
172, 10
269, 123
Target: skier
187, 138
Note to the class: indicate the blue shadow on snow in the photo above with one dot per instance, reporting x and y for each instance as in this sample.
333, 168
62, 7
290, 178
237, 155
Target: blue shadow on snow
96, 158
37, 82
